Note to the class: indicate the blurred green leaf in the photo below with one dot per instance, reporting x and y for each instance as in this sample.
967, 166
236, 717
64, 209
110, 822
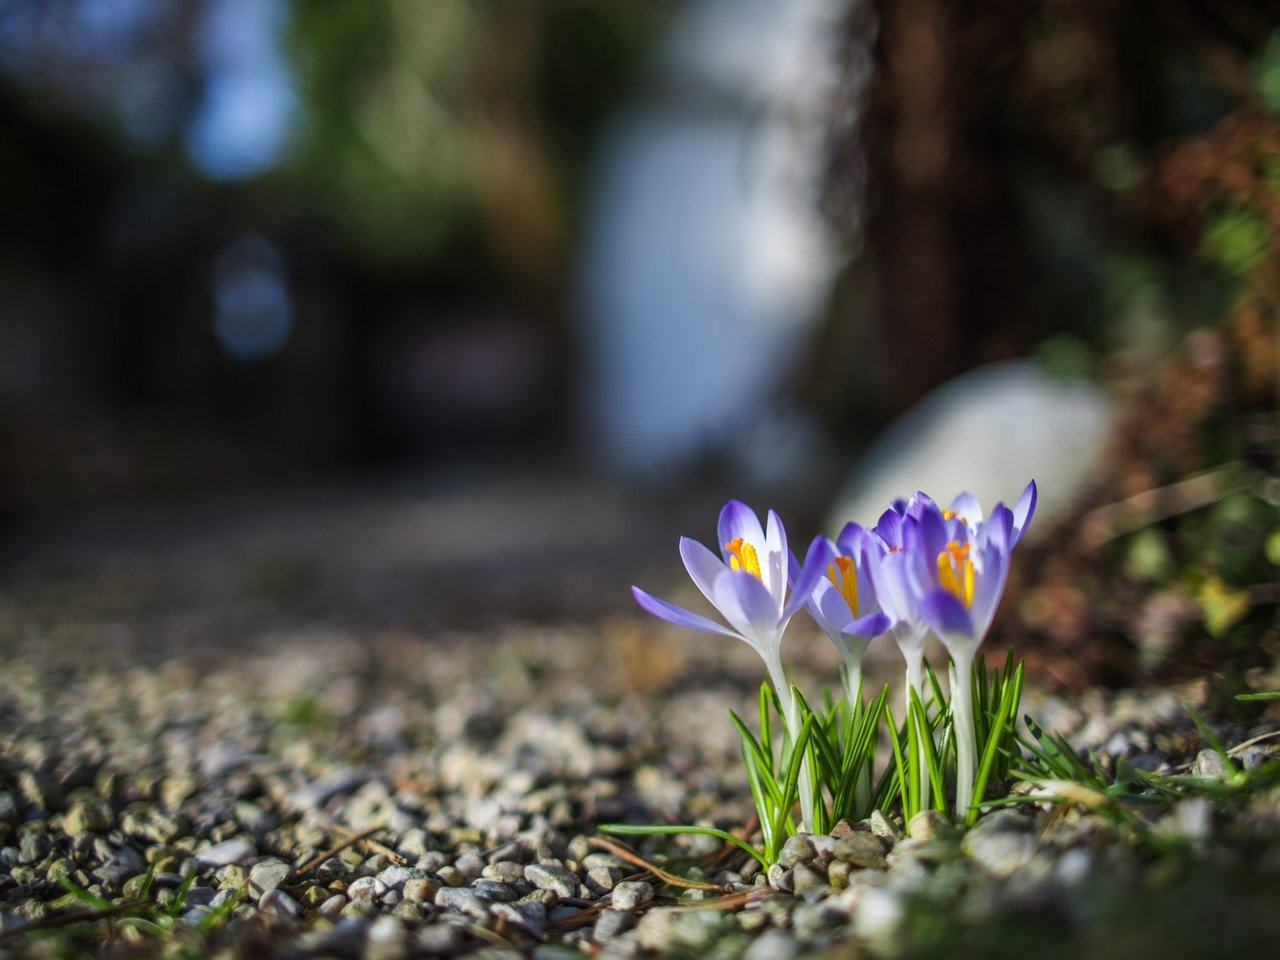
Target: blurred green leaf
1223, 607
1235, 239
1266, 75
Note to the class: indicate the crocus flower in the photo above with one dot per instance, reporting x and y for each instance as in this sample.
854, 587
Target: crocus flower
959, 562
748, 584
843, 602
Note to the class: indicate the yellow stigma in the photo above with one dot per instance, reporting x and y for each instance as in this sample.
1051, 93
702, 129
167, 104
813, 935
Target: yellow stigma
845, 579
955, 572
951, 514
743, 557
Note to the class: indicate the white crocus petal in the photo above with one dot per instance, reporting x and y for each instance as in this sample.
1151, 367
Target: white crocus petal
773, 564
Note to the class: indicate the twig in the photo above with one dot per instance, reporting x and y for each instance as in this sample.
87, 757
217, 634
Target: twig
618, 850
333, 851
76, 916
373, 845
1114, 519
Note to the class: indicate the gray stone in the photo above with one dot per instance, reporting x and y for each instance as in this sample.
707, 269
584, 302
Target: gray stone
463, 901
805, 877
611, 923
550, 876
470, 865
317, 793
89, 816
656, 928
387, 940
268, 874
929, 825
773, 945
530, 916
280, 904
236, 850
860, 849
797, 849
1209, 765
333, 906
504, 871
780, 878
631, 895
493, 890
394, 877
1001, 843
440, 939
883, 827
420, 890
367, 889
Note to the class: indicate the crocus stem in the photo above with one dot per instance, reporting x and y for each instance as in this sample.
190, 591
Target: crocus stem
791, 714
963, 730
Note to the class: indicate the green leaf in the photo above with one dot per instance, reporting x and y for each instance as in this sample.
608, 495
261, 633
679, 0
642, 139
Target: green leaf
1236, 239
1222, 606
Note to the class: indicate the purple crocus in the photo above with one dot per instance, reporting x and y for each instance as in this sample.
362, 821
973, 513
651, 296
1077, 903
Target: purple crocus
748, 584
843, 602
958, 563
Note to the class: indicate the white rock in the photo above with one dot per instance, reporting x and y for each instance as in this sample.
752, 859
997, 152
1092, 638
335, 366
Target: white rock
988, 431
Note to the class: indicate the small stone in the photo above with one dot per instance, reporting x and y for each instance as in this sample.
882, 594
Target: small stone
838, 873
504, 871
174, 790
773, 945
493, 890
387, 940
91, 816
451, 875
550, 876
531, 917
780, 878
440, 939
420, 890
463, 901
414, 843
366, 889
862, 850
883, 827
280, 904
470, 865
603, 879
656, 928
1001, 843
333, 869
229, 851
797, 849
929, 825
268, 874
1209, 765
333, 906
824, 847
611, 923
805, 877
395, 877
631, 895
879, 918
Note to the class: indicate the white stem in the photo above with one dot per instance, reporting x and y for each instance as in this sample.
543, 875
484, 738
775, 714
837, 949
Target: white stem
962, 726
791, 714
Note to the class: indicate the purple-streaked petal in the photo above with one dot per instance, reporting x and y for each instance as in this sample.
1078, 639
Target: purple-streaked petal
773, 564
1024, 510
945, 614
678, 615
872, 625
738, 520
967, 507
747, 605
821, 553
703, 565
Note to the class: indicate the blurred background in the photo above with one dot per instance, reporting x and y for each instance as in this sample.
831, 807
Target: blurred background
434, 312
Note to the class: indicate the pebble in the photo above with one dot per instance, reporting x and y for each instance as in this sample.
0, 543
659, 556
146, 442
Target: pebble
367, 889
268, 874
929, 825
280, 904
805, 878
631, 895
420, 889
386, 940
463, 901
550, 876
1001, 843
395, 877
862, 850
797, 849
612, 923
227, 852
503, 871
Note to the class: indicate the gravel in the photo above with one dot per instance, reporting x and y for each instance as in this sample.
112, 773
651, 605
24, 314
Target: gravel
393, 796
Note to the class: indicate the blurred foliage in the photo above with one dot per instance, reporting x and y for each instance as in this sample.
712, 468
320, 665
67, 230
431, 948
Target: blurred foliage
427, 122
1100, 186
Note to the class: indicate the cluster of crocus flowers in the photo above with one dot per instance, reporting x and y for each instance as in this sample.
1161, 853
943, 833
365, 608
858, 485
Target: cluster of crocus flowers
922, 570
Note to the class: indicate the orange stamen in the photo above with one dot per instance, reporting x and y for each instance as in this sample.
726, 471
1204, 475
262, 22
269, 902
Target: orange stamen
955, 572
743, 557
844, 578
